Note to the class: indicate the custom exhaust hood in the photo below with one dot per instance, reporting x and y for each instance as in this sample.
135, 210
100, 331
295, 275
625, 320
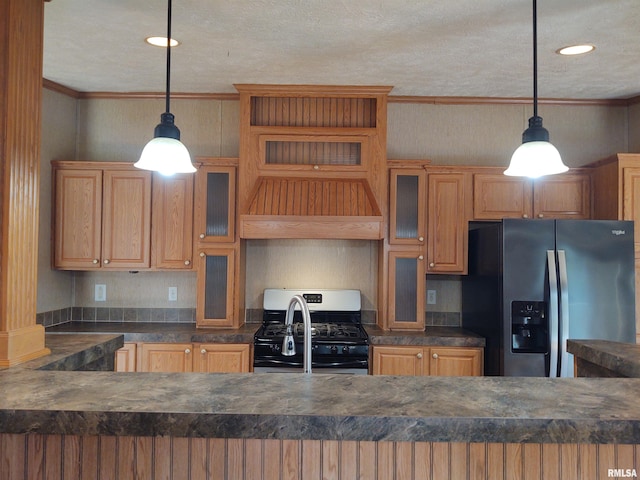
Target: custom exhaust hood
290, 207
312, 162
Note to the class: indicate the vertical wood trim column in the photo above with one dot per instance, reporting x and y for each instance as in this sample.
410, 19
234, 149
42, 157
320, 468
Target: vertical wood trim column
21, 43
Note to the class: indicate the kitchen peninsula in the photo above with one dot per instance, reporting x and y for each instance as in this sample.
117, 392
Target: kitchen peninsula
238, 425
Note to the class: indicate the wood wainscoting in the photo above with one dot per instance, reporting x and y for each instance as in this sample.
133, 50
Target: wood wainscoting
126, 457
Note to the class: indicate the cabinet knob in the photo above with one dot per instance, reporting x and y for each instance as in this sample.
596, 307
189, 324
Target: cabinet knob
203, 351
525, 216
202, 235
541, 215
106, 260
420, 257
316, 167
95, 261
432, 265
419, 355
187, 262
187, 351
435, 355
421, 239
202, 254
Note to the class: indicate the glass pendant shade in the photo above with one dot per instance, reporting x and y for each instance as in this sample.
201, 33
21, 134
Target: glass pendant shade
536, 157
166, 156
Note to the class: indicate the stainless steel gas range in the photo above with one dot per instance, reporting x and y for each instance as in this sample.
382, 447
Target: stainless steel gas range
339, 343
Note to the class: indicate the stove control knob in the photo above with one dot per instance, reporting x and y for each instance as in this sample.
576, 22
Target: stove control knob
334, 349
345, 349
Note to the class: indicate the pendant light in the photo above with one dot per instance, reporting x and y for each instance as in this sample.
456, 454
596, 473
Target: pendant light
536, 156
166, 153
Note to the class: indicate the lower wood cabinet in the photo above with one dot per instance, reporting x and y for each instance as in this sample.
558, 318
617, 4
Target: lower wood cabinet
184, 357
418, 360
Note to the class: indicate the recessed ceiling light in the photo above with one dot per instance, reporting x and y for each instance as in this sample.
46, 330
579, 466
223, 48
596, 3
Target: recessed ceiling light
161, 41
576, 49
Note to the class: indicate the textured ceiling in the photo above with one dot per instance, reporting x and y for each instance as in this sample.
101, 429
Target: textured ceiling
476, 48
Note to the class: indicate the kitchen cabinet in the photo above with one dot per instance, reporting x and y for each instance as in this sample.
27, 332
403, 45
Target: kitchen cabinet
428, 213
126, 358
406, 290
222, 358
497, 196
419, 360
407, 206
172, 222
102, 216
165, 357
616, 184
193, 357
447, 221
220, 282
218, 286
215, 203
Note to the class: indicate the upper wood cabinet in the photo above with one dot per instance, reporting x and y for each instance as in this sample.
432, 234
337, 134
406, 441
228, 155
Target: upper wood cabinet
220, 283
112, 215
216, 202
407, 206
172, 222
497, 196
447, 220
102, 216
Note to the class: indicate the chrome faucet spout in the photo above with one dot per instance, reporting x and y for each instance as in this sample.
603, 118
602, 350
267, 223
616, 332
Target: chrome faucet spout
288, 345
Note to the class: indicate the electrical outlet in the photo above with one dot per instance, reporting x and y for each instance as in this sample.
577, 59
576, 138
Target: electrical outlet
173, 294
100, 293
431, 297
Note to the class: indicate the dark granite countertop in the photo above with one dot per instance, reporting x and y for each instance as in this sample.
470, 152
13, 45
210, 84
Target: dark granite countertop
622, 359
318, 406
162, 332
181, 332
432, 336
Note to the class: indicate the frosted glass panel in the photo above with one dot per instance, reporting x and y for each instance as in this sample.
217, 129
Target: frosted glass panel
407, 206
215, 299
217, 204
406, 289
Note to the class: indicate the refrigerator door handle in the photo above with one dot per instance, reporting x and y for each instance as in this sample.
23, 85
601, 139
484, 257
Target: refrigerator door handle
553, 314
564, 314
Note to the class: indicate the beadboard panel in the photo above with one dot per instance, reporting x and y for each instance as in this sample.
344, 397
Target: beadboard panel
66, 456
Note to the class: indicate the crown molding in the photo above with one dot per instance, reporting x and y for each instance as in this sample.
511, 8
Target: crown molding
48, 84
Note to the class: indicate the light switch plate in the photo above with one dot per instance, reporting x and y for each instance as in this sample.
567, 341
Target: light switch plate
100, 293
431, 297
173, 294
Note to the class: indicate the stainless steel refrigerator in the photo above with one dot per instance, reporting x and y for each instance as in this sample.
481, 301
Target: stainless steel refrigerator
533, 284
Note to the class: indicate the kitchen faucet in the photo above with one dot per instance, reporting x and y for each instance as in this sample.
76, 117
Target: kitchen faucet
288, 344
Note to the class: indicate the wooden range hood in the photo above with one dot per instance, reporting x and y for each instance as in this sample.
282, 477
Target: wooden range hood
312, 208
312, 161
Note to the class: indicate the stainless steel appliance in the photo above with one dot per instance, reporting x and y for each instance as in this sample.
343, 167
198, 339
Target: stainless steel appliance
339, 343
533, 284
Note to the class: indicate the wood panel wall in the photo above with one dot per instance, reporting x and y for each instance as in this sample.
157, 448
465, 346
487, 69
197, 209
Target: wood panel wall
21, 31
92, 457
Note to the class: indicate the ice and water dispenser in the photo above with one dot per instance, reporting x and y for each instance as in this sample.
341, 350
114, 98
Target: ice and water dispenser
529, 327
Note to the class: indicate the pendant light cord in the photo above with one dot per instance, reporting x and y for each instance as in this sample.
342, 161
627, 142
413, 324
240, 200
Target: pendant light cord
535, 58
167, 101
